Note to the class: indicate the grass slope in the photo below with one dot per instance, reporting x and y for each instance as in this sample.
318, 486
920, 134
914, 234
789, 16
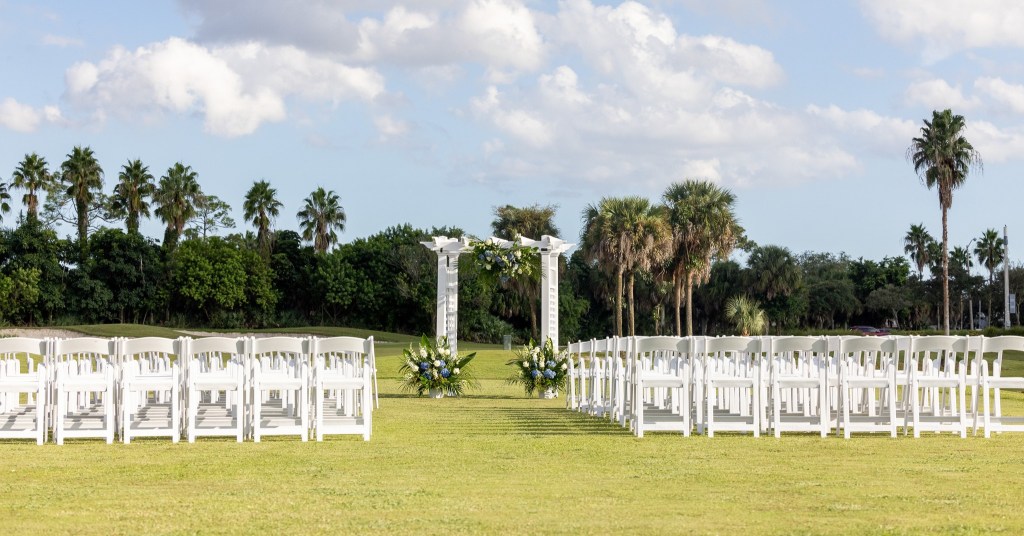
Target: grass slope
498, 462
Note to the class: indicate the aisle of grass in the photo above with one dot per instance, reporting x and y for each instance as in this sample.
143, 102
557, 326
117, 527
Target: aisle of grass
497, 462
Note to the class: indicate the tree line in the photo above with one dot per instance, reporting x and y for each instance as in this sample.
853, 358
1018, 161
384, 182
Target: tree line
642, 266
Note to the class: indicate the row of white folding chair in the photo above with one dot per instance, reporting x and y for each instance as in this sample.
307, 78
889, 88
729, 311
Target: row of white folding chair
933, 372
89, 378
23, 394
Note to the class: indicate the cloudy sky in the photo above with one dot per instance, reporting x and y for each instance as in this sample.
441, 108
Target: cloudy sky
433, 112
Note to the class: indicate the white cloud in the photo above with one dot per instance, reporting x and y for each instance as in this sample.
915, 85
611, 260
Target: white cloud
236, 88
17, 116
1002, 92
728, 61
885, 135
995, 144
938, 94
947, 26
389, 127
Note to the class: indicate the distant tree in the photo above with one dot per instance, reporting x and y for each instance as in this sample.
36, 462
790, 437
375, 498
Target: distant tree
990, 254
176, 197
321, 219
132, 193
5, 197
82, 177
776, 277
32, 176
915, 244
704, 228
942, 157
261, 206
211, 215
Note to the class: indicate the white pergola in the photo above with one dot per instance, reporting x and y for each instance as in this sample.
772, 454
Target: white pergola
448, 251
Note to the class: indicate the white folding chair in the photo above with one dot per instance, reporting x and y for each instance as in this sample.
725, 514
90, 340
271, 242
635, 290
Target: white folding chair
732, 385
150, 387
992, 384
215, 387
23, 388
280, 366
572, 377
868, 385
661, 385
84, 388
938, 400
798, 368
342, 375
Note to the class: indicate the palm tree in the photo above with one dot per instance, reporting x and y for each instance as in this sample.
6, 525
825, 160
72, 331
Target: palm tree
704, 228
32, 176
624, 234
322, 219
176, 197
5, 207
261, 207
942, 157
990, 254
82, 175
961, 259
915, 244
134, 188
534, 222
775, 272
746, 315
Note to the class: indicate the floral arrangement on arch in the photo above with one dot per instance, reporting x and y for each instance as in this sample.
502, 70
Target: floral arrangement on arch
539, 369
504, 263
434, 367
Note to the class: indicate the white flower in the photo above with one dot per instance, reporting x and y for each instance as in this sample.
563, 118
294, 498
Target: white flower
445, 351
526, 364
564, 366
423, 352
541, 363
455, 370
437, 362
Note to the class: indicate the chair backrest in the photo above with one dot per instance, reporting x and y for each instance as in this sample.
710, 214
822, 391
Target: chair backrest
224, 345
84, 346
798, 344
999, 345
744, 345
23, 345
666, 344
267, 345
143, 345
936, 352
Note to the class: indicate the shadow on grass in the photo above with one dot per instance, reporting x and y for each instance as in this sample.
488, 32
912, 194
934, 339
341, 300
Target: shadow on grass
540, 422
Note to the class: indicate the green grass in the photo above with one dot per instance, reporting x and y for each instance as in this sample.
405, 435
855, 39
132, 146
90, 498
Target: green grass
123, 330
498, 462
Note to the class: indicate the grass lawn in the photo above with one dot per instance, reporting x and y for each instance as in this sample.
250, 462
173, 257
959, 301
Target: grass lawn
498, 462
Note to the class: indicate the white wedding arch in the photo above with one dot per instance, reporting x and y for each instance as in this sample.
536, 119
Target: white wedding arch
448, 251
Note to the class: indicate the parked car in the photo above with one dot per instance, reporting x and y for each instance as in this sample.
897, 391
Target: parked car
870, 331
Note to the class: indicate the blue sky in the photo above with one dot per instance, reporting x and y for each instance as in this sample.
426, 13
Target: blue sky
433, 112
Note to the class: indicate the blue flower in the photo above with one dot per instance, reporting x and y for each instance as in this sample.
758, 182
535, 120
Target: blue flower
535, 373
424, 365
445, 373
549, 374
443, 364
551, 364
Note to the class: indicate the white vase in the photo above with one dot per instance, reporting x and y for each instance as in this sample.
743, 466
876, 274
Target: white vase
547, 394
436, 393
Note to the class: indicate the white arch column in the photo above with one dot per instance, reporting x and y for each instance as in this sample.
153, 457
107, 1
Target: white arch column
550, 248
447, 305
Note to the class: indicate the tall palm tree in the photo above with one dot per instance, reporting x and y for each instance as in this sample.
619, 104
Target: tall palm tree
990, 254
261, 207
176, 197
82, 177
32, 176
533, 221
624, 234
915, 244
321, 219
961, 258
942, 157
132, 192
5, 197
704, 228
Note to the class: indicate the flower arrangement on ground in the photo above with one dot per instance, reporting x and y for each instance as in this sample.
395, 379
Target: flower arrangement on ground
538, 368
434, 367
504, 263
